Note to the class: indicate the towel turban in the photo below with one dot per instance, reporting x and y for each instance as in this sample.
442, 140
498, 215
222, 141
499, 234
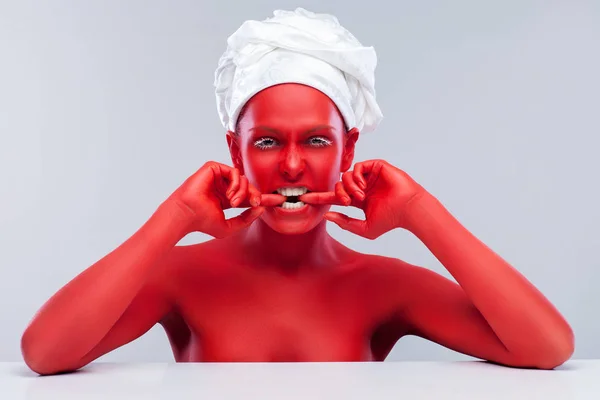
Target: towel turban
298, 47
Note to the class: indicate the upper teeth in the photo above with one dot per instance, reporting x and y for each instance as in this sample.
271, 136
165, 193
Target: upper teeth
292, 191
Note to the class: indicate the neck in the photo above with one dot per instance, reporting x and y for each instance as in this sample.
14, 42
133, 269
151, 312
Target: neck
263, 246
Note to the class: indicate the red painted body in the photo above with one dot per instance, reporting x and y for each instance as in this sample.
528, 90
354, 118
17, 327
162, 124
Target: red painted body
274, 286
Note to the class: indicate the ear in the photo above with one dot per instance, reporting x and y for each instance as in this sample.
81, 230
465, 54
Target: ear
349, 145
234, 151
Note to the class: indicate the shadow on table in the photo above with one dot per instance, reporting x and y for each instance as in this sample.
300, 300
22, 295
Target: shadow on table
564, 367
24, 372
97, 381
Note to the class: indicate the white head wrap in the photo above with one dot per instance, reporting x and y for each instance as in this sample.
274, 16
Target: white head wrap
298, 47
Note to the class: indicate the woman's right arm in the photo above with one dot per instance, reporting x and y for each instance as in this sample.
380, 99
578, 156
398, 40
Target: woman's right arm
122, 296
68, 328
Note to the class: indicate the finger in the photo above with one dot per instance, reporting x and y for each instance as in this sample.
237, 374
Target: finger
254, 195
358, 174
242, 193
221, 181
242, 221
251, 198
219, 173
342, 195
371, 170
272, 200
351, 186
356, 226
320, 198
233, 174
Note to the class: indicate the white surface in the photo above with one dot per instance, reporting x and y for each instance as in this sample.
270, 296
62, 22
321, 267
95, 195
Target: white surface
397, 380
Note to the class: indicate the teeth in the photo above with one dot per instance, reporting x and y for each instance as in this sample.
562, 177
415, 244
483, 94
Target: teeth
292, 191
292, 206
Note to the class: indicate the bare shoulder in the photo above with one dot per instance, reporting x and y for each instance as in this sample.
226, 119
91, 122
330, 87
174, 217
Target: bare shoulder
381, 270
405, 282
390, 284
193, 258
197, 265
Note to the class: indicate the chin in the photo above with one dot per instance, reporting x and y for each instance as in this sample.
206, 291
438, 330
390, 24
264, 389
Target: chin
292, 228
291, 224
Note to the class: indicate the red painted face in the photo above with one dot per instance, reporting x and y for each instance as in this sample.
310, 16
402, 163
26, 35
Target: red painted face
292, 136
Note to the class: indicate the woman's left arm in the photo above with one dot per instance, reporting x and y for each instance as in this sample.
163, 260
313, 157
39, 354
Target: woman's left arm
531, 329
493, 313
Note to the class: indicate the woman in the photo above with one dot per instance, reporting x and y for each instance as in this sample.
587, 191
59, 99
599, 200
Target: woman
273, 285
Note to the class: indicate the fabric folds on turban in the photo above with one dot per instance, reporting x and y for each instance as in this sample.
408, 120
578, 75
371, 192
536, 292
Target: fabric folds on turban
298, 47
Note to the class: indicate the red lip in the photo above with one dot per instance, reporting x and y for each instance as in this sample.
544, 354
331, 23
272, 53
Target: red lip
297, 211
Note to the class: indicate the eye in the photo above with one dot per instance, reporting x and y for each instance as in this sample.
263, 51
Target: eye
319, 141
265, 143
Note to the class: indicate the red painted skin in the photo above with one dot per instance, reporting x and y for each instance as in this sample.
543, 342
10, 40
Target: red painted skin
274, 286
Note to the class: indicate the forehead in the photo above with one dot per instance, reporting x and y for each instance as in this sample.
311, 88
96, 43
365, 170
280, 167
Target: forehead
291, 106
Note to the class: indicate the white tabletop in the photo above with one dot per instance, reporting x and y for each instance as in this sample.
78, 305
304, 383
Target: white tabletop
393, 380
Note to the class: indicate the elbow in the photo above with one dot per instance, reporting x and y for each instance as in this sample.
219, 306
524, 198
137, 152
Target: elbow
37, 357
553, 361
560, 355
39, 367
557, 354
545, 353
33, 356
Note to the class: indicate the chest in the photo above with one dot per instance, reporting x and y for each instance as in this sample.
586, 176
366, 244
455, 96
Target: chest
248, 320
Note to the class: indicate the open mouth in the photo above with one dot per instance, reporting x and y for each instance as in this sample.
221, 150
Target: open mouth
292, 195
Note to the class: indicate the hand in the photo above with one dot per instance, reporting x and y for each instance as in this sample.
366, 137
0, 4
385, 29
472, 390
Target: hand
378, 188
216, 187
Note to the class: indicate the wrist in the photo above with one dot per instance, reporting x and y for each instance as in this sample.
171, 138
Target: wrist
171, 219
418, 209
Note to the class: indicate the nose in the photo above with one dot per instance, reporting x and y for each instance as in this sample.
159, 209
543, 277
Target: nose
292, 163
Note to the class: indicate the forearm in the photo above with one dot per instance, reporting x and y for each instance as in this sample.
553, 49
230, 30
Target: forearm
81, 313
522, 318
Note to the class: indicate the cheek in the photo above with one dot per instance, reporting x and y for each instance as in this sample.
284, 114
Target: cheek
259, 168
326, 164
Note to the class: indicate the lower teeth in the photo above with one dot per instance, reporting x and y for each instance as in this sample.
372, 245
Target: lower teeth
291, 206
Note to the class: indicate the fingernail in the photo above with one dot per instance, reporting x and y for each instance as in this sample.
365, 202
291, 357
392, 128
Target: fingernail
234, 201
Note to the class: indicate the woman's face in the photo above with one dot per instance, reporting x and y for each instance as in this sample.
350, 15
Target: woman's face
291, 138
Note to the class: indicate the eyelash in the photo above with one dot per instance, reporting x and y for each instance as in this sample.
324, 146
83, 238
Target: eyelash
260, 143
323, 142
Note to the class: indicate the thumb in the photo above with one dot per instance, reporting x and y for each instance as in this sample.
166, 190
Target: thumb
356, 226
243, 220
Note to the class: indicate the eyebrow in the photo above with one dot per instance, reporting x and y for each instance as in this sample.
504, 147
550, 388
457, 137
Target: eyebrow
270, 129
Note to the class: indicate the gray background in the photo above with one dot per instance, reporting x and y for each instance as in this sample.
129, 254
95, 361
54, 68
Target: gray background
107, 106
